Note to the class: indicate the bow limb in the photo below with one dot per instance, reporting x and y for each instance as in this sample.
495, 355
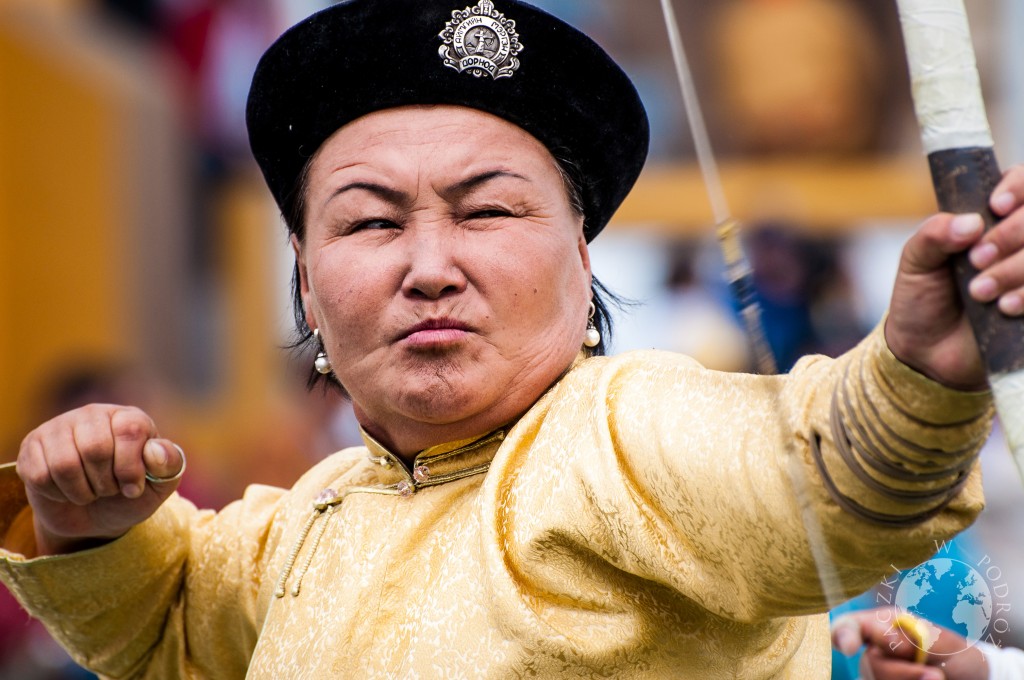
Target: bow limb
956, 136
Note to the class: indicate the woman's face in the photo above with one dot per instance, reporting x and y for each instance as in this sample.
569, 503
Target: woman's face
445, 269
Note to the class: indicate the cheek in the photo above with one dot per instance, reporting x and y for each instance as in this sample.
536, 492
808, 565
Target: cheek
542, 284
344, 290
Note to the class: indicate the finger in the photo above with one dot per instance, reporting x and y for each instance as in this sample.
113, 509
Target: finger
883, 667
164, 461
1009, 193
877, 628
1003, 281
90, 430
65, 465
847, 636
34, 472
1006, 238
131, 429
937, 238
1012, 304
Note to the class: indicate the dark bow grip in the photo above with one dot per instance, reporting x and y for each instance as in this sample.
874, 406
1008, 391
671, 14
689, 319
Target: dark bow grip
964, 180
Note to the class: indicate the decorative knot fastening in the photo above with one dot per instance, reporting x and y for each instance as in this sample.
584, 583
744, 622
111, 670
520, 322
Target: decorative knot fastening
329, 500
323, 501
384, 461
326, 503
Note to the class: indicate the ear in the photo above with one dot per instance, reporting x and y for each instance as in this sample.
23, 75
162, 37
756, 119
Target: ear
585, 259
300, 268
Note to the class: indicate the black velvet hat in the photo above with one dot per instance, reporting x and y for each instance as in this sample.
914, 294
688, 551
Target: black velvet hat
502, 56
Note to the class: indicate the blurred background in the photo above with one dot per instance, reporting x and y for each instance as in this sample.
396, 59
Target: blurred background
143, 261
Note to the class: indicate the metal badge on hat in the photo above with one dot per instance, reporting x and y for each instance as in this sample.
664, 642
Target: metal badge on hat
484, 41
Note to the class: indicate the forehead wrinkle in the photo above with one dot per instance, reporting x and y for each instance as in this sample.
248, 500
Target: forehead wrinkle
423, 156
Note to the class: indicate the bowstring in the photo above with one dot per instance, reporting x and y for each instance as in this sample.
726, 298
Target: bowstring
738, 272
740, 276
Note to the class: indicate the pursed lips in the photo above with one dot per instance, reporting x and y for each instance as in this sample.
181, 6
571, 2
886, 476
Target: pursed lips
435, 331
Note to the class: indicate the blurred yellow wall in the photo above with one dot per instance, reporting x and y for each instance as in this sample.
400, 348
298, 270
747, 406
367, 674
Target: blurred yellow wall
62, 227
95, 203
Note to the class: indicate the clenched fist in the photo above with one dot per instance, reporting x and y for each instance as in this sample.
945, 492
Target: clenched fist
85, 475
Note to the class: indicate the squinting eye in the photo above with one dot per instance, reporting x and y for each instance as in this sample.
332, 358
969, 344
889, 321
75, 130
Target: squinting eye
374, 225
488, 214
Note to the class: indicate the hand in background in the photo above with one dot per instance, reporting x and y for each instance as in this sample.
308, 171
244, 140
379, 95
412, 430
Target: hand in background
890, 652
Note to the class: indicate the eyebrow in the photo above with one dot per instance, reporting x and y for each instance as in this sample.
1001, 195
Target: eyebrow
457, 189
463, 187
386, 193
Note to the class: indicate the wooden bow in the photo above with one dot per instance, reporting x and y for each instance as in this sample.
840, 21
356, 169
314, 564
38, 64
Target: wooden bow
956, 136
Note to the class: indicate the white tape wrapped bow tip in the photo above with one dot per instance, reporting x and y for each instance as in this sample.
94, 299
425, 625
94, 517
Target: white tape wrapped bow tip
944, 75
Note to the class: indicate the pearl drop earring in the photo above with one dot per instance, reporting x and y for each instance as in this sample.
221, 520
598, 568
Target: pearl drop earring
322, 363
593, 337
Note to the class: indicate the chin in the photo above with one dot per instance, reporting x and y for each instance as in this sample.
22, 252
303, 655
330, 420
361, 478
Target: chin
441, 393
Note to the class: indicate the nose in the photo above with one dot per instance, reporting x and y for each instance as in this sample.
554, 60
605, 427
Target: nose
433, 271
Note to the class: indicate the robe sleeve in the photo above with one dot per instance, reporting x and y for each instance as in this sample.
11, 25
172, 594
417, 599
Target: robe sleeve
743, 493
175, 597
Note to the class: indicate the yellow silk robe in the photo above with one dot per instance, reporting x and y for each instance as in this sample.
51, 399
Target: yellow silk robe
640, 521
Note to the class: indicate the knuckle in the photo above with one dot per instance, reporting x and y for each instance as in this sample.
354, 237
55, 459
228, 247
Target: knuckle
92, 412
28, 444
34, 476
930, 232
30, 457
92, 447
132, 425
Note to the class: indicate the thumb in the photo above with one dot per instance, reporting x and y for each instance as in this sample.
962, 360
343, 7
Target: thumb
847, 636
165, 463
937, 239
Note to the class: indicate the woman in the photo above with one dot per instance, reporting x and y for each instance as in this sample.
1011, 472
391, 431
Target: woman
520, 508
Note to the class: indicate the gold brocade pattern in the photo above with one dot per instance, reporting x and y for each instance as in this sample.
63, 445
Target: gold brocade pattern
637, 522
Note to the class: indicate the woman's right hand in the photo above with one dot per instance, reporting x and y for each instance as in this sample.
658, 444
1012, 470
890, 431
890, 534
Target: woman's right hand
85, 475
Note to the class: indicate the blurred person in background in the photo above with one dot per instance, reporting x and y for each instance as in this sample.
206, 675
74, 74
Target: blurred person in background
698, 324
520, 505
806, 304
